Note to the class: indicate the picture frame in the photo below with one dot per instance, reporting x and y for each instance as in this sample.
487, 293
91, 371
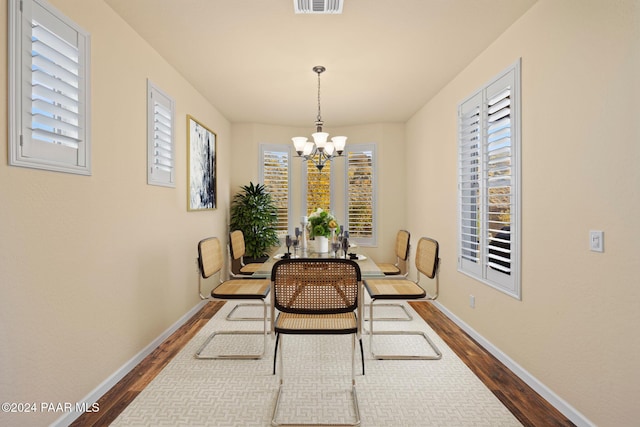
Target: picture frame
201, 166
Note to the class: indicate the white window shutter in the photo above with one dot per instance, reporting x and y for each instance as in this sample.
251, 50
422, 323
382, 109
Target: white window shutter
275, 176
160, 135
470, 140
488, 183
51, 91
318, 189
360, 193
500, 182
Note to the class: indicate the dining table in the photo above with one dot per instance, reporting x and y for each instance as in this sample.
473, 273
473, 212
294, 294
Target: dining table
368, 268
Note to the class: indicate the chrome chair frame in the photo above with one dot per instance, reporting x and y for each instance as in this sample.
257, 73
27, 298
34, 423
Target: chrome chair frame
213, 266
422, 269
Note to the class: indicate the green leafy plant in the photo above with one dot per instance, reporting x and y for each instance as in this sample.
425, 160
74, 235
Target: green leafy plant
321, 222
254, 212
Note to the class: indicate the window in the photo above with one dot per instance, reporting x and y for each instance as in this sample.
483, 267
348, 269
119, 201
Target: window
275, 175
489, 184
360, 199
318, 187
160, 131
48, 89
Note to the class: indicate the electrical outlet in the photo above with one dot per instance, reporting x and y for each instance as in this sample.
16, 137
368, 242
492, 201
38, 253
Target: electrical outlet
596, 240
472, 301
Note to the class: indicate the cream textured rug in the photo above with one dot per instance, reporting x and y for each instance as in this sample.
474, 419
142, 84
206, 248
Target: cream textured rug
317, 370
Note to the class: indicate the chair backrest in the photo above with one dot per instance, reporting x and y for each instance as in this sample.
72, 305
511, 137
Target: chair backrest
402, 244
315, 286
209, 256
427, 257
236, 244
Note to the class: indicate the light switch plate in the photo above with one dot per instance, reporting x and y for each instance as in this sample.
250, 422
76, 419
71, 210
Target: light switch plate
596, 240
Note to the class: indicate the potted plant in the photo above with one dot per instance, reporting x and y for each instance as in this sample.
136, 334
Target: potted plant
254, 212
321, 225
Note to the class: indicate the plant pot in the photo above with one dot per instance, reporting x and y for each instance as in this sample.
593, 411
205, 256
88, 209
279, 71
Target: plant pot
321, 244
251, 260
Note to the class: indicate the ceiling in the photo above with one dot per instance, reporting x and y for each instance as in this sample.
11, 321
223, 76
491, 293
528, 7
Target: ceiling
253, 59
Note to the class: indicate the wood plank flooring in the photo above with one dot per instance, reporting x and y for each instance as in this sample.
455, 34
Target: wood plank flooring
525, 404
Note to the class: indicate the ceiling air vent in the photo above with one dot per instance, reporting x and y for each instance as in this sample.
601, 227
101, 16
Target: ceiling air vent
318, 6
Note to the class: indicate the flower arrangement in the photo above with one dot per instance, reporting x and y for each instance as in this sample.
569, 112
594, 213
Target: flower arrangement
321, 222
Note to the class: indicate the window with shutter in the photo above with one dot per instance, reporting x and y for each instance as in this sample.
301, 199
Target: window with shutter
275, 176
318, 187
489, 185
49, 89
360, 199
160, 137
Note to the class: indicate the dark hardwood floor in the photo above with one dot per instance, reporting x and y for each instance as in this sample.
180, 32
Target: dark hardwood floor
525, 404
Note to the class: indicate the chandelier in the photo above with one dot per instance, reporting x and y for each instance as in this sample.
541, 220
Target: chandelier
319, 151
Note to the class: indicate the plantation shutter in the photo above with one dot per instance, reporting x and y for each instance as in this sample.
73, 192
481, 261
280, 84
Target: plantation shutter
469, 183
498, 175
360, 194
275, 176
160, 132
54, 105
318, 187
488, 184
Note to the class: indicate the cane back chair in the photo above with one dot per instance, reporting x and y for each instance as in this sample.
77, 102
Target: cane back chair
427, 263
400, 269
316, 296
210, 263
237, 250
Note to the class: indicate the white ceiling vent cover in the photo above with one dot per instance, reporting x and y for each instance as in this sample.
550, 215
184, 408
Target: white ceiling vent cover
318, 6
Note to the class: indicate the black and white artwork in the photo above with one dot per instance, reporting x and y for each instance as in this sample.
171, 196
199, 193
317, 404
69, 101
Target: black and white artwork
201, 167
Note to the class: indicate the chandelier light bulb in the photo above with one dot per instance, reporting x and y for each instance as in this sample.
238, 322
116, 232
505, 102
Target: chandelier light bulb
299, 143
339, 142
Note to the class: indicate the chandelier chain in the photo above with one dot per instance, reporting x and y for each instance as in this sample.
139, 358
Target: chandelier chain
319, 118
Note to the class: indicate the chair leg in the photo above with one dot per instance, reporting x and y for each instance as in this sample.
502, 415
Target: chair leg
437, 356
354, 397
407, 316
362, 355
198, 354
237, 318
275, 353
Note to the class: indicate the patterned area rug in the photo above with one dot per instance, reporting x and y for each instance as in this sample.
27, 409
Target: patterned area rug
317, 381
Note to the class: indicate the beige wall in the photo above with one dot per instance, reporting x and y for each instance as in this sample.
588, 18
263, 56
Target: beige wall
389, 139
93, 269
575, 329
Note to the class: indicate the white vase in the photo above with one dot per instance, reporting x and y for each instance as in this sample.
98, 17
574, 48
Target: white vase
322, 244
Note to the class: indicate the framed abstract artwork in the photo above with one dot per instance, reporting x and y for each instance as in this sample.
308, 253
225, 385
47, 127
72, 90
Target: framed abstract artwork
201, 166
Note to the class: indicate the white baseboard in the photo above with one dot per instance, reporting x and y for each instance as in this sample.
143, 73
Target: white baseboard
107, 384
561, 405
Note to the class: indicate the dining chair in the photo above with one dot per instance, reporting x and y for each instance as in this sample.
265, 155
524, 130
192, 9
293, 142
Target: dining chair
244, 271
427, 264
210, 262
237, 250
400, 269
401, 249
316, 296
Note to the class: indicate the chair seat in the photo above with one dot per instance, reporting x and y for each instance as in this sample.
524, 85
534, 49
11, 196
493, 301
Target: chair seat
388, 268
250, 268
242, 289
394, 289
341, 323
